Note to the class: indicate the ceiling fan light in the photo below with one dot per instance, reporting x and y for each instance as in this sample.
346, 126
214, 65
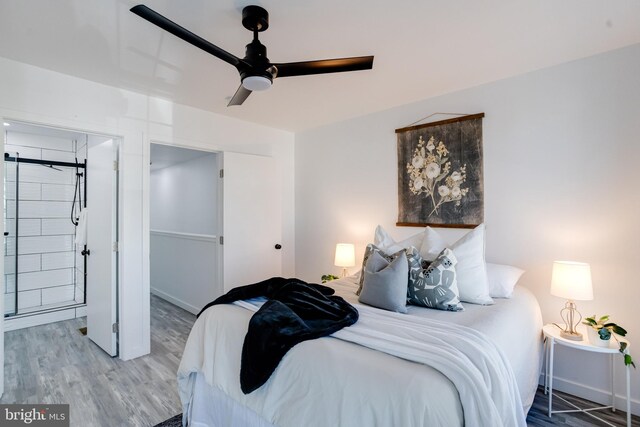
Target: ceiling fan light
256, 83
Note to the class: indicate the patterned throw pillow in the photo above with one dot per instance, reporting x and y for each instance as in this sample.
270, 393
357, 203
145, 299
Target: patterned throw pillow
371, 248
434, 284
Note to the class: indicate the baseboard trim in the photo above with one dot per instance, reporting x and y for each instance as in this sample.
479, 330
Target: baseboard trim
175, 301
594, 394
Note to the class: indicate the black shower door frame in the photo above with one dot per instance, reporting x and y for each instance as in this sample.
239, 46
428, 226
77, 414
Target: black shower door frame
17, 159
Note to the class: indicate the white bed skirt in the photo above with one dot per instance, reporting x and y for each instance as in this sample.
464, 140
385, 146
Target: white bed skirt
212, 408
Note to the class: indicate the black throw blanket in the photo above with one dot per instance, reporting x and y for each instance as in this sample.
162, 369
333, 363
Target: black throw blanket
295, 312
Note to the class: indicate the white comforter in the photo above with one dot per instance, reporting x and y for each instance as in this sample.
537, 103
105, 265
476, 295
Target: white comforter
331, 381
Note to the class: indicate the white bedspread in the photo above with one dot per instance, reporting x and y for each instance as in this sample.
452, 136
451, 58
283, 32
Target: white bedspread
334, 382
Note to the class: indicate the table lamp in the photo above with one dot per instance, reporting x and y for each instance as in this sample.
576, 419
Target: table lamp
345, 256
572, 281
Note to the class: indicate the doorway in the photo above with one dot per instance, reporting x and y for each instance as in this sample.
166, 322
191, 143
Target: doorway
54, 256
184, 226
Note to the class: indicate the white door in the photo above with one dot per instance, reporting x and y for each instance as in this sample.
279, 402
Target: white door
252, 228
101, 236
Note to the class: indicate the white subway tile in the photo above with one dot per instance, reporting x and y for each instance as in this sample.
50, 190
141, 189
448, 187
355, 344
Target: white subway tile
45, 279
10, 172
9, 303
26, 263
26, 299
58, 156
57, 260
58, 294
28, 227
28, 191
58, 192
39, 141
9, 246
58, 225
9, 209
27, 152
9, 283
41, 244
39, 173
38, 209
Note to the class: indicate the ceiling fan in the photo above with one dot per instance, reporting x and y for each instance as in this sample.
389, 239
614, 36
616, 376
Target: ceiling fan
256, 71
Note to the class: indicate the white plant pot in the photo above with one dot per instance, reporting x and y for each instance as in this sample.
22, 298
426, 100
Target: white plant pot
594, 338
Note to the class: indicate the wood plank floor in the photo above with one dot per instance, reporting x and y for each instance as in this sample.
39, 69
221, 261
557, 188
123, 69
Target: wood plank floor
538, 417
55, 363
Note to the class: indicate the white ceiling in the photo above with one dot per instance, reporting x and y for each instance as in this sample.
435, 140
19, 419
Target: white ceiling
422, 48
43, 130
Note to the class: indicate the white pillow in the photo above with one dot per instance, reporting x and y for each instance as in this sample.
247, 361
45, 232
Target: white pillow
384, 241
502, 279
471, 269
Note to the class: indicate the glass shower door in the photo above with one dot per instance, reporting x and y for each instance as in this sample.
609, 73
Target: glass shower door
11, 186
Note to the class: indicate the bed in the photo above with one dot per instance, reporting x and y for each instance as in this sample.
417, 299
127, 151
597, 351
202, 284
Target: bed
337, 382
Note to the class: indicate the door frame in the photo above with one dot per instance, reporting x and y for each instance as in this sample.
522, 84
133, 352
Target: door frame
119, 142
147, 200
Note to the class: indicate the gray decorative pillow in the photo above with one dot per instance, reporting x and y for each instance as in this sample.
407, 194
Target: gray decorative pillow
385, 283
371, 249
434, 284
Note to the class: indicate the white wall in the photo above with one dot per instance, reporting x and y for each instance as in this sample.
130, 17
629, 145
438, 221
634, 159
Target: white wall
183, 196
561, 152
33, 94
184, 269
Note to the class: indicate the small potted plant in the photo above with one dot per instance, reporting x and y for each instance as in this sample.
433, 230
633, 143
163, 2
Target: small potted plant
328, 277
601, 331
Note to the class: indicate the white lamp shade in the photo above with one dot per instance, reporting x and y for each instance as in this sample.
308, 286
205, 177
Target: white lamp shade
345, 255
571, 280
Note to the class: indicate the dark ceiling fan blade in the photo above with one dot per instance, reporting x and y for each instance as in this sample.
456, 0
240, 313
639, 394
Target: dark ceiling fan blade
240, 96
324, 66
166, 24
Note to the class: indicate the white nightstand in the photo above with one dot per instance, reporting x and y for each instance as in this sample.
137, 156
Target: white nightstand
552, 335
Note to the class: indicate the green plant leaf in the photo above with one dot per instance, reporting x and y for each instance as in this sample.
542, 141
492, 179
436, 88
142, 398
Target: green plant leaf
623, 346
619, 330
590, 321
604, 318
628, 360
604, 334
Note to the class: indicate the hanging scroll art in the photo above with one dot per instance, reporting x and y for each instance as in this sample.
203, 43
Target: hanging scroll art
440, 181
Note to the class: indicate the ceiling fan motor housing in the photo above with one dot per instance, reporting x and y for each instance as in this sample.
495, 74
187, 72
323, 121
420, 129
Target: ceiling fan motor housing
256, 55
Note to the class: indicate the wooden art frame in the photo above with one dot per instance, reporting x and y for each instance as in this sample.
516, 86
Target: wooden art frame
440, 173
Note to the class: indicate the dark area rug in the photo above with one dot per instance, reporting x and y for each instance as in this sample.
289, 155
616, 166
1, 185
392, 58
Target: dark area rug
171, 422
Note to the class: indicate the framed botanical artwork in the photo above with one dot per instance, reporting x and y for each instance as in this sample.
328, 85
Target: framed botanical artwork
440, 179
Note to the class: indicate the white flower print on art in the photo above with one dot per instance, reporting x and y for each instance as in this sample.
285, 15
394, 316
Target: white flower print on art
432, 170
429, 174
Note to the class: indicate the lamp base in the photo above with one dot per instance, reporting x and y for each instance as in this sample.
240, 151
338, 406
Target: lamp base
574, 336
